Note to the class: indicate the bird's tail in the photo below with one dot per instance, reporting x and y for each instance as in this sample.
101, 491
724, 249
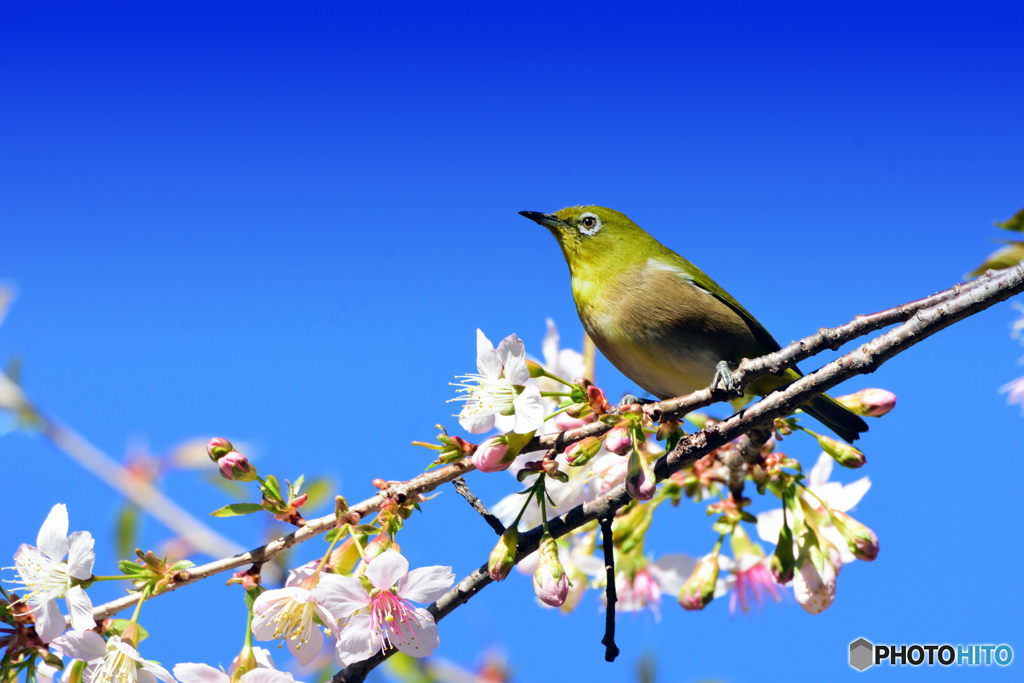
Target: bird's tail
837, 417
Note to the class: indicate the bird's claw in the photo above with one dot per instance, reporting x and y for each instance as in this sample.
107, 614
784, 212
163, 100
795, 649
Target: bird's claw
631, 400
723, 378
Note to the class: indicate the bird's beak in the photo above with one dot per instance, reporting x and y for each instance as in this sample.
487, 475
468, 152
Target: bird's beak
546, 219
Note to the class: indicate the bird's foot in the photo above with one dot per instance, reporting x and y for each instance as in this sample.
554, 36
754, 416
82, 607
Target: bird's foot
723, 378
631, 400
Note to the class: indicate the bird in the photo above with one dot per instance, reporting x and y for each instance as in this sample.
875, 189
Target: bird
661, 320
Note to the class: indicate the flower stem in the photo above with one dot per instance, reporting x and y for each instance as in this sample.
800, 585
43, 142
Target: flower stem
330, 549
138, 606
558, 379
553, 394
542, 494
108, 578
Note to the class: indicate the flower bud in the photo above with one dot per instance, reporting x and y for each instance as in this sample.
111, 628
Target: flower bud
618, 441
861, 540
490, 456
640, 482
344, 558
550, 582
843, 453
699, 589
782, 561
503, 557
814, 582
598, 403
218, 448
581, 452
378, 545
564, 421
236, 467
870, 402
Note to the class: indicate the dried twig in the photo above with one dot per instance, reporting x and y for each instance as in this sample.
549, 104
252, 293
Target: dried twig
611, 650
463, 489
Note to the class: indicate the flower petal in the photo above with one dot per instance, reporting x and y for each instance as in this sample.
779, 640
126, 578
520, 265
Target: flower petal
199, 673
549, 347
529, 407
425, 584
670, 572
475, 423
267, 676
416, 639
263, 658
53, 535
80, 607
487, 363
385, 569
512, 354
84, 646
821, 471
341, 595
354, 641
81, 555
307, 652
49, 621
301, 573
769, 525
125, 649
847, 498
158, 671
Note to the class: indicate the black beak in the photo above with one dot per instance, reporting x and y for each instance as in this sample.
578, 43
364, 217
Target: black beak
546, 219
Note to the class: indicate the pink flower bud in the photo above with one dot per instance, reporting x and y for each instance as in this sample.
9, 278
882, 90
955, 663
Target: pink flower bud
490, 456
218, 448
618, 441
699, 589
503, 557
550, 582
564, 421
640, 482
236, 467
870, 402
843, 453
861, 540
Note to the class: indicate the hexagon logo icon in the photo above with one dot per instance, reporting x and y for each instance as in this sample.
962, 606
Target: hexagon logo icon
862, 654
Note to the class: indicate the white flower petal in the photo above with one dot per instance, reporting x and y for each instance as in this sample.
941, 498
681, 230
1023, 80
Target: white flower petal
769, 525
670, 572
425, 584
385, 569
158, 671
53, 535
301, 573
267, 676
529, 407
848, 497
84, 646
475, 423
487, 363
354, 641
307, 652
81, 555
415, 639
80, 607
341, 595
263, 658
723, 586
570, 365
49, 621
512, 353
821, 471
188, 672
125, 649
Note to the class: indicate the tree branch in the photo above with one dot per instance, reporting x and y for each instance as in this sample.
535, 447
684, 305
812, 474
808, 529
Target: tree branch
611, 650
946, 309
463, 489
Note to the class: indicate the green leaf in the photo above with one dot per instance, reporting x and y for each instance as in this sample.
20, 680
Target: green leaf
318, 491
722, 526
126, 530
272, 488
236, 509
331, 535
298, 484
1008, 256
1016, 224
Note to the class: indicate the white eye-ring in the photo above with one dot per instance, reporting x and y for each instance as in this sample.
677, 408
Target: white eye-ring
589, 224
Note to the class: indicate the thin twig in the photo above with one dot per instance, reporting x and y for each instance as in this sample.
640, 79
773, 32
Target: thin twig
611, 650
463, 489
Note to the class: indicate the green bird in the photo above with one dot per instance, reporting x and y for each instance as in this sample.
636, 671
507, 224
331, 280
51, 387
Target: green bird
660, 319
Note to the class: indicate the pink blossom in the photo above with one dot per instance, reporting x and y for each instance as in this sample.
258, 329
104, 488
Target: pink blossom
489, 455
618, 441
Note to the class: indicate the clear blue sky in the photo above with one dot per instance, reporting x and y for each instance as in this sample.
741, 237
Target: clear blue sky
283, 225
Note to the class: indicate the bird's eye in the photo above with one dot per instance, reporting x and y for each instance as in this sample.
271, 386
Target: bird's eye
589, 224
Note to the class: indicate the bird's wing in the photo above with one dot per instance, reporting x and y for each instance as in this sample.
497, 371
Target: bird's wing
698, 278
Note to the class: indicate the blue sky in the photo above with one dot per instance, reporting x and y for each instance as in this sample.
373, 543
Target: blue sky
283, 225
